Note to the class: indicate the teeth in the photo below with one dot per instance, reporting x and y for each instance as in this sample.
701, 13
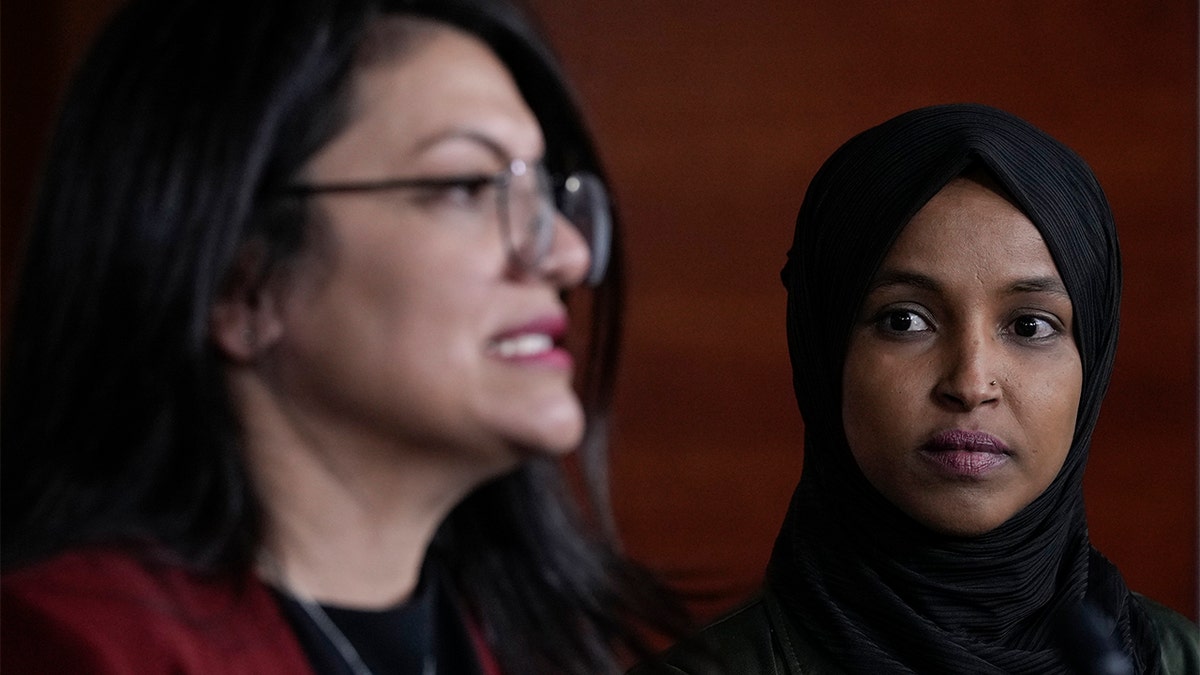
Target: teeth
524, 345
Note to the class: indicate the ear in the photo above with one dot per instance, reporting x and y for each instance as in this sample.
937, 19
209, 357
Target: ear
245, 320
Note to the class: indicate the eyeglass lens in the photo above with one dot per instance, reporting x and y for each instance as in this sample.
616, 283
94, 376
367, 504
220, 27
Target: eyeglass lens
531, 202
583, 201
530, 215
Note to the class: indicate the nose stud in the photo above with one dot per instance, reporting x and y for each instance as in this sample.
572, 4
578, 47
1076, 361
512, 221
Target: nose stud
992, 383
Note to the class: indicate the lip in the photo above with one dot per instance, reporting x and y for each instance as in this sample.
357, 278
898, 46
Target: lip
964, 454
538, 342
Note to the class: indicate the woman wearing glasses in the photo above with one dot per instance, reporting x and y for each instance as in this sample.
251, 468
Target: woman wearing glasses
291, 369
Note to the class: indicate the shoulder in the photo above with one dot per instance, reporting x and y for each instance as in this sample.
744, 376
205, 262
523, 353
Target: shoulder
110, 611
739, 642
1178, 638
755, 639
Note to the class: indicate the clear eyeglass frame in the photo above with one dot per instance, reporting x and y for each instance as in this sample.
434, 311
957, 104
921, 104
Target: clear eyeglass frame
527, 200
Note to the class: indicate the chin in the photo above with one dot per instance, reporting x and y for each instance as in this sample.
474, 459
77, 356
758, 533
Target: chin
549, 426
558, 430
961, 523
558, 442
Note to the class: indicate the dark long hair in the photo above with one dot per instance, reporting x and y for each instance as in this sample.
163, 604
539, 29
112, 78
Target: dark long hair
117, 425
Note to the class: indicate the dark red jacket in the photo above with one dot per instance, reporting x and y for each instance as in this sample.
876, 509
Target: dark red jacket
108, 611
105, 611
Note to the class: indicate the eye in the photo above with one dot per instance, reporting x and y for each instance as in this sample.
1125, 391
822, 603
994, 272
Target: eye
469, 191
1033, 327
466, 192
902, 321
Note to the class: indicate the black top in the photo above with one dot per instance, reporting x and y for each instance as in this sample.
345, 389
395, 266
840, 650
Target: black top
761, 637
392, 641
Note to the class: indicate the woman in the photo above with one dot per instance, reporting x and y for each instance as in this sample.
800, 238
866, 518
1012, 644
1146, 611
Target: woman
953, 289
288, 382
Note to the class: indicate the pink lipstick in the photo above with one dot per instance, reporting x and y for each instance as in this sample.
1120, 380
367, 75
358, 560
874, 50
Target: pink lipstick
538, 342
965, 454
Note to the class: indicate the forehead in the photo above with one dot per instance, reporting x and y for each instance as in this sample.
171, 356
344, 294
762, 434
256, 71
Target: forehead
968, 225
416, 81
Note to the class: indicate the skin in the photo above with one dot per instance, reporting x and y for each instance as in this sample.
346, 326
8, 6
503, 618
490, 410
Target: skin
967, 295
367, 374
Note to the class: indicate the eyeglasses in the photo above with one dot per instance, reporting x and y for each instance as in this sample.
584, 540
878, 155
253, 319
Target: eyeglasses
527, 198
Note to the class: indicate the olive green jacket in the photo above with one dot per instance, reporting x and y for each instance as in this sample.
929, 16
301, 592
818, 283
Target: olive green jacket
758, 639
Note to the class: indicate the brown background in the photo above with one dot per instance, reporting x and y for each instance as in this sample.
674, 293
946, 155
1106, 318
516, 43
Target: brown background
712, 117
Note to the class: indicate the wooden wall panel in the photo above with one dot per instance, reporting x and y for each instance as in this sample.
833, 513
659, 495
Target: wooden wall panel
40, 43
713, 116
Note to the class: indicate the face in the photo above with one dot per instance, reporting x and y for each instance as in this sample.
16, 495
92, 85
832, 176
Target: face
408, 326
962, 378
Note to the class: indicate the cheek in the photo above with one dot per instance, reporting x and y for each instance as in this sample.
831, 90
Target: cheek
1049, 413
429, 297
857, 403
391, 314
875, 404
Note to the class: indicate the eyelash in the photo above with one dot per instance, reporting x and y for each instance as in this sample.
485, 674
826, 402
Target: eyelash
882, 322
462, 192
1052, 324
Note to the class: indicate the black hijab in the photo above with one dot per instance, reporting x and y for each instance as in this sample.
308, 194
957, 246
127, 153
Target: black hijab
881, 592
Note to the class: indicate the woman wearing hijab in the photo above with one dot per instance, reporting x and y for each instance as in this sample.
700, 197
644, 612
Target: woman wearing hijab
953, 291
291, 374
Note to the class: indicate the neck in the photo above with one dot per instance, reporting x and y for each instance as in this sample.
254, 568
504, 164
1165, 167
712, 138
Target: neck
347, 519
340, 548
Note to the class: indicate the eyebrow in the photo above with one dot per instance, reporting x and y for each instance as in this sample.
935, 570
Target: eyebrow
489, 143
1040, 285
889, 278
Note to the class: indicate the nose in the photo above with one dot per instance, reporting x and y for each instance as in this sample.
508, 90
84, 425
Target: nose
970, 372
566, 263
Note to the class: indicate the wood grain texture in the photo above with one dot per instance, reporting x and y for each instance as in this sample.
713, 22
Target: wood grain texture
712, 117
